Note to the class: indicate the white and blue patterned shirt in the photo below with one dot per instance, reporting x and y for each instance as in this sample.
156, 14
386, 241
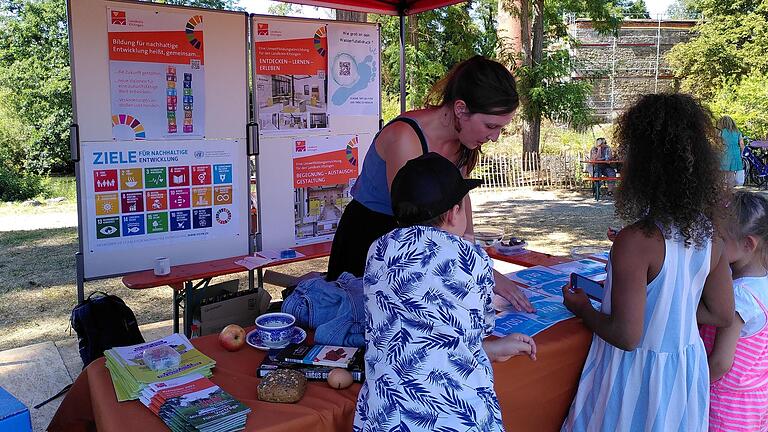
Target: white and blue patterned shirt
428, 307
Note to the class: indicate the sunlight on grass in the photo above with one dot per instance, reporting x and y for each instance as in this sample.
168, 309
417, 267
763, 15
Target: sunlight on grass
21, 240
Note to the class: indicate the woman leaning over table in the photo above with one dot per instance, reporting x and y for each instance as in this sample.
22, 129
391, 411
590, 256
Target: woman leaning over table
474, 102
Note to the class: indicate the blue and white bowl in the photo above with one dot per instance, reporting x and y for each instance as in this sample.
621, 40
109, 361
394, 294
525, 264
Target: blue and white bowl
275, 329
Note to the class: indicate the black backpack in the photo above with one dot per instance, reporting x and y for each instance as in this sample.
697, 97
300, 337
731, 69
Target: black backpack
103, 322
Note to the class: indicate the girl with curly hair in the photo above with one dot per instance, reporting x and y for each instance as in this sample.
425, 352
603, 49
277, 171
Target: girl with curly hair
647, 366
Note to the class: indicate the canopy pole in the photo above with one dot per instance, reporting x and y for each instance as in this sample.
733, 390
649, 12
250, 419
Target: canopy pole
402, 63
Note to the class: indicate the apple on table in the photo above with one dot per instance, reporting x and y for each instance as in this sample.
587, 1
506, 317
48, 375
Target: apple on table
232, 337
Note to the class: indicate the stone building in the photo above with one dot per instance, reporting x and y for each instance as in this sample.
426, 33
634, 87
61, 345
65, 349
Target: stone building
627, 64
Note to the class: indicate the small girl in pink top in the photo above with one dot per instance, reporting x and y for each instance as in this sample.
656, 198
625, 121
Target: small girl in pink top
738, 355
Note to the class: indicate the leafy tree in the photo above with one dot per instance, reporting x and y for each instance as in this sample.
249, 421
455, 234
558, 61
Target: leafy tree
682, 9
633, 8
283, 9
747, 103
439, 39
729, 45
208, 4
34, 67
544, 67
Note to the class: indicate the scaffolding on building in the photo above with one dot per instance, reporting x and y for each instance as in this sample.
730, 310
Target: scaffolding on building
635, 53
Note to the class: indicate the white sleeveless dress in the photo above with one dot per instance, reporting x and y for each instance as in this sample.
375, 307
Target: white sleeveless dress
663, 384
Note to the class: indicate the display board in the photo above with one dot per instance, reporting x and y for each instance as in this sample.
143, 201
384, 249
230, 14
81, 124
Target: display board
160, 103
317, 101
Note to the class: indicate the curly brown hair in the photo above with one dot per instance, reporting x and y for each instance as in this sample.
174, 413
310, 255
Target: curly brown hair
671, 172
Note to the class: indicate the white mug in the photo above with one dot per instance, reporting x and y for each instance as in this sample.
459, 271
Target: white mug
162, 266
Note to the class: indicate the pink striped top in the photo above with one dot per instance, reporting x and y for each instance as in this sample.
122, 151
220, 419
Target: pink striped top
739, 400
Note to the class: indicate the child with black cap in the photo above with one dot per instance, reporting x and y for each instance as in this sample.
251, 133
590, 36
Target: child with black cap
428, 308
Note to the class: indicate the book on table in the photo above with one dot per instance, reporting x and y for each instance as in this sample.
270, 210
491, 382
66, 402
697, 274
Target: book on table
312, 372
318, 355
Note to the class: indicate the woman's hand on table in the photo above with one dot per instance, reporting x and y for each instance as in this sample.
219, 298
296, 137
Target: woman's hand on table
502, 349
510, 291
575, 300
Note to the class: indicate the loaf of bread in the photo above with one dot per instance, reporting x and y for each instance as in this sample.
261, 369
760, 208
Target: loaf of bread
282, 385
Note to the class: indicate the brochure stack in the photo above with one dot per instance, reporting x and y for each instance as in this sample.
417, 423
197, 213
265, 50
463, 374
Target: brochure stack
130, 375
194, 403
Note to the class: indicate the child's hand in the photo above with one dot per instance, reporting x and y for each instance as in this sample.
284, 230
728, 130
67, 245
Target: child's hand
506, 288
575, 300
503, 349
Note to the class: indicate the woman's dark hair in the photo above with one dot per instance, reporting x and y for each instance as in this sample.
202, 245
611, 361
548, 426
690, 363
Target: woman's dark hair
485, 86
671, 172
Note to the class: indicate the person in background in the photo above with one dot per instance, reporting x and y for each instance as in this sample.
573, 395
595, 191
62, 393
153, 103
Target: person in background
428, 302
733, 145
647, 368
468, 108
602, 152
738, 354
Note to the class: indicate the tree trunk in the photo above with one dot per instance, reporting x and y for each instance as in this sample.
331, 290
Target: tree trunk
532, 128
344, 15
412, 38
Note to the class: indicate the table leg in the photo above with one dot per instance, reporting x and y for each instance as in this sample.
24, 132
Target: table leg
597, 190
188, 293
176, 299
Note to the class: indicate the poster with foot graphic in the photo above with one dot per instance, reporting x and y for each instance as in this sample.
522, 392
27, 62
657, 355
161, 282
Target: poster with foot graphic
156, 74
290, 58
353, 69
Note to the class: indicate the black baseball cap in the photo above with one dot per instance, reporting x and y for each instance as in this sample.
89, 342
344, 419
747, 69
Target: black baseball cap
427, 187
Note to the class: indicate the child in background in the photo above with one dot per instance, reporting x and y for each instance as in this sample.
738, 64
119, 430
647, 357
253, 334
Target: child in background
428, 304
647, 369
738, 354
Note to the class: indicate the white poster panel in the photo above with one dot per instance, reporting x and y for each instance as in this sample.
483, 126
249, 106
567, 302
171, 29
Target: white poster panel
353, 63
171, 196
324, 170
156, 73
290, 58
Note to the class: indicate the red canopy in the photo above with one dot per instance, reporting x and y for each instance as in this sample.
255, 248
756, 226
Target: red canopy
386, 7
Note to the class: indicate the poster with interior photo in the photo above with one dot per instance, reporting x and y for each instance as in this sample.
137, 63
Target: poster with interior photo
324, 170
291, 63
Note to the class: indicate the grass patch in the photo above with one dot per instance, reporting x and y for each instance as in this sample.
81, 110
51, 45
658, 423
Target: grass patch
61, 187
55, 187
41, 258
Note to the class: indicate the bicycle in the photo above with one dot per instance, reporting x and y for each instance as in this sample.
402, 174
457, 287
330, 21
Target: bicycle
755, 160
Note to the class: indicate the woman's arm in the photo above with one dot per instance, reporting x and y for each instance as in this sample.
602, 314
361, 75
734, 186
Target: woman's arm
397, 144
630, 259
721, 358
716, 305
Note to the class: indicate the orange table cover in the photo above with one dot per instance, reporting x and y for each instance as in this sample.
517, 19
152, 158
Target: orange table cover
534, 396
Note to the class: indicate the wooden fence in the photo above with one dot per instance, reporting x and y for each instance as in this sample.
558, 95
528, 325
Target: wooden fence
563, 171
